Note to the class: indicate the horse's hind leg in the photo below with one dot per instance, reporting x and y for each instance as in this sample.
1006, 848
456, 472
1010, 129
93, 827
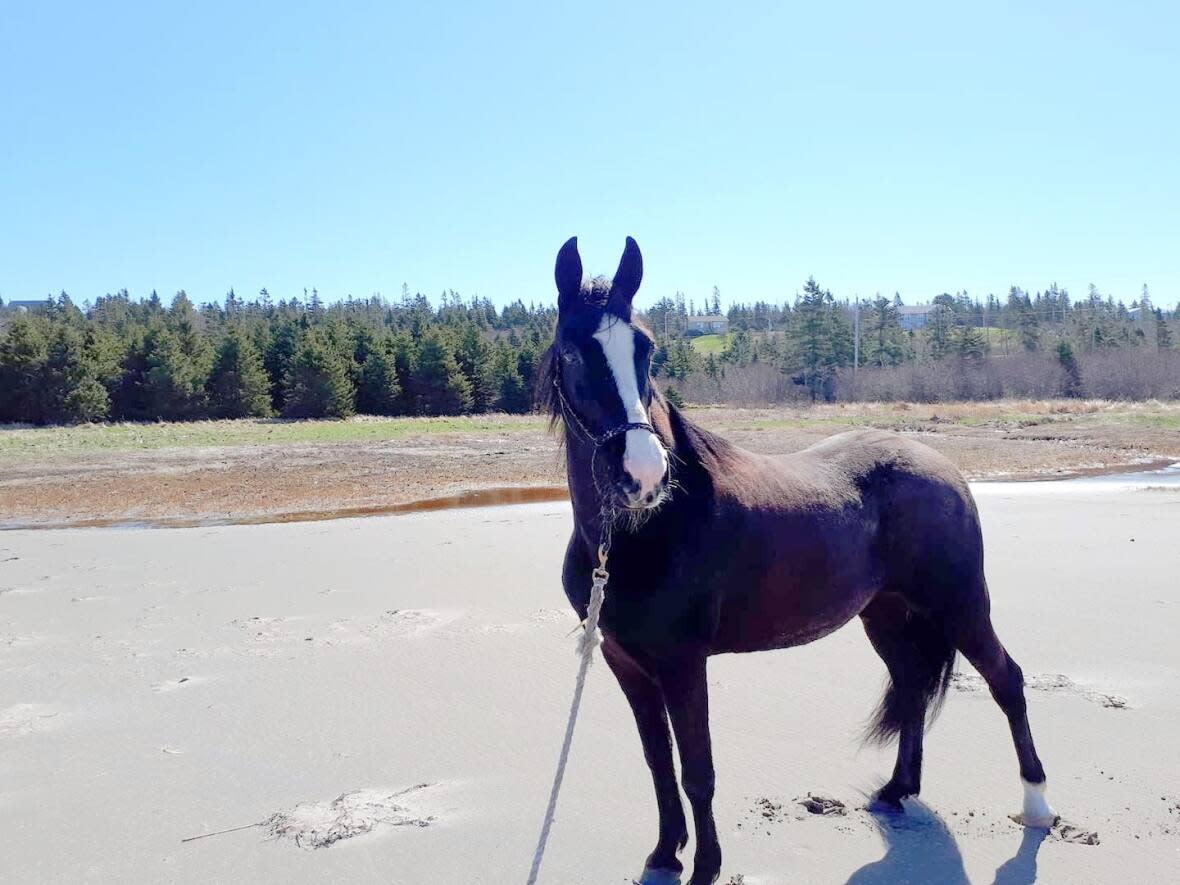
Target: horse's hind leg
647, 704
917, 657
980, 645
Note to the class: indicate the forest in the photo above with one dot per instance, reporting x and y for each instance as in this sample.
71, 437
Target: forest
126, 359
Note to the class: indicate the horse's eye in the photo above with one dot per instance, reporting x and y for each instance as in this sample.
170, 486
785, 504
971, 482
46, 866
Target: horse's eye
571, 355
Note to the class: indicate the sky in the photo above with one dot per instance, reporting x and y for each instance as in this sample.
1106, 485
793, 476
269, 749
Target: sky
351, 147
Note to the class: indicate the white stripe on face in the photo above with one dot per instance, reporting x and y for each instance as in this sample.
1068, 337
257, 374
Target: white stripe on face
644, 457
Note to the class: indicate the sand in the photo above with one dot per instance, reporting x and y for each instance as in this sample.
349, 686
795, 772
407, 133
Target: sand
384, 697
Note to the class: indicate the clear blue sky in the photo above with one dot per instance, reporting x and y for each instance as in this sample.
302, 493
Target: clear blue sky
351, 147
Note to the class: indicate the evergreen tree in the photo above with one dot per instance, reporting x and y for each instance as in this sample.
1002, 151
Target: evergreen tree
511, 394
24, 352
970, 344
317, 383
941, 324
442, 388
473, 354
238, 386
378, 391
814, 342
277, 358
174, 381
71, 390
1071, 385
884, 334
1163, 335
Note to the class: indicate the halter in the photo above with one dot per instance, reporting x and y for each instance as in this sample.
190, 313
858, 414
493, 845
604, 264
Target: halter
597, 439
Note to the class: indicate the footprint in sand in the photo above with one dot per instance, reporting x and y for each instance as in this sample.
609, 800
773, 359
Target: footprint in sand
262, 629
1050, 682
22, 719
321, 824
393, 624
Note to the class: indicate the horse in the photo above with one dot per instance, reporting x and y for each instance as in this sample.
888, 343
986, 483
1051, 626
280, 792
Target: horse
714, 549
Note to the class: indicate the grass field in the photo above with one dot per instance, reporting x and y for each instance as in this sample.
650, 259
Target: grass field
166, 435
707, 344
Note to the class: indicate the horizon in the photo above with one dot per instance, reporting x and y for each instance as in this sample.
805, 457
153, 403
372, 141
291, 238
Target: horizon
918, 151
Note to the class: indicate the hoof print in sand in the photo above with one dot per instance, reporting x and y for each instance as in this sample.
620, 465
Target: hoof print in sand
320, 824
1067, 832
1064, 831
1051, 682
822, 805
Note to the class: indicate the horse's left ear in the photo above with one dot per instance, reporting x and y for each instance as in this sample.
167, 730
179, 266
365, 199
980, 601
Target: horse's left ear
627, 280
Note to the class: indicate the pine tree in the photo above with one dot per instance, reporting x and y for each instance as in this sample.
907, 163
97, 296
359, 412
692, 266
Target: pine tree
378, 391
474, 357
317, 383
1071, 384
941, 324
71, 390
511, 394
277, 358
24, 352
883, 334
970, 344
174, 381
237, 385
441, 386
815, 343
1163, 335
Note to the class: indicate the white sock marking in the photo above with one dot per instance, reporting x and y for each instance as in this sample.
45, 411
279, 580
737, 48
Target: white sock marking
1036, 811
644, 457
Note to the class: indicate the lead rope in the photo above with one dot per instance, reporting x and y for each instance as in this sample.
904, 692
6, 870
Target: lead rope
588, 641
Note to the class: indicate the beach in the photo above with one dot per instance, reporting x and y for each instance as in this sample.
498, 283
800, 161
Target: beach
383, 699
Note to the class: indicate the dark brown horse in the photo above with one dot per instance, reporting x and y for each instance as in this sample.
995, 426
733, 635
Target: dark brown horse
716, 549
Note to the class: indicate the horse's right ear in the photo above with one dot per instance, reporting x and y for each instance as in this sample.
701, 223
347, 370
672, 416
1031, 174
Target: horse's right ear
568, 274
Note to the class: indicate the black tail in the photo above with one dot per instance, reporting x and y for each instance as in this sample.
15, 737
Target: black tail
919, 689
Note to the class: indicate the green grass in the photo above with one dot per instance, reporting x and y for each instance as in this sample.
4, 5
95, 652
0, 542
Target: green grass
203, 434
710, 344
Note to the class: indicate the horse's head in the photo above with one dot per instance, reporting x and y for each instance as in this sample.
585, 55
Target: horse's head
601, 376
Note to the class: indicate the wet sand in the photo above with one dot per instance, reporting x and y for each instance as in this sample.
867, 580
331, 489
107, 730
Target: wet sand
385, 698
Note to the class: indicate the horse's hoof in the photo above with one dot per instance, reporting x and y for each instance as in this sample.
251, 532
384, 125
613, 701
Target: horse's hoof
658, 877
1036, 812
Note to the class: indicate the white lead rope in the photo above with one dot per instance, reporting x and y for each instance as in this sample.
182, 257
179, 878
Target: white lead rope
588, 641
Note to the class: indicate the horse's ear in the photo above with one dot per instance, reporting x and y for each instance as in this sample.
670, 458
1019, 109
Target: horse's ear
627, 280
568, 274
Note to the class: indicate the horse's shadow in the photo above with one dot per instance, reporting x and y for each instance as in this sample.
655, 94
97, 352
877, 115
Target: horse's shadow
1021, 869
921, 850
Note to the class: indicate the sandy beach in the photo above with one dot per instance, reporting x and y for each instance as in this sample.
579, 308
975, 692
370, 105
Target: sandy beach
385, 697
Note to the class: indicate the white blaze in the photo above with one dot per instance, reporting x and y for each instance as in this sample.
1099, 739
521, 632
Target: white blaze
644, 457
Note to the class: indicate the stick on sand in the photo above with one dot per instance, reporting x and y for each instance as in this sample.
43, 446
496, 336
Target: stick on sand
220, 832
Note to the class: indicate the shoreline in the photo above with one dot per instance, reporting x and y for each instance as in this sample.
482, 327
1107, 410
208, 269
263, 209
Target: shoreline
497, 496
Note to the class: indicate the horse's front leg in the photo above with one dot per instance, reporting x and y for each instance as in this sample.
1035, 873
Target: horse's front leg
650, 716
686, 693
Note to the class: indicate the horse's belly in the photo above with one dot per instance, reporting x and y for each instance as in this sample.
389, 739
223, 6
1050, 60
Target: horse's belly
784, 602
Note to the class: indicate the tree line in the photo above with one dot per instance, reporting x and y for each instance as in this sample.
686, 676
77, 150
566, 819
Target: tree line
817, 337
124, 359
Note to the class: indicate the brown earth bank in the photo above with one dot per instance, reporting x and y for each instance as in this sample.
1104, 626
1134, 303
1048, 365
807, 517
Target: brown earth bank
369, 465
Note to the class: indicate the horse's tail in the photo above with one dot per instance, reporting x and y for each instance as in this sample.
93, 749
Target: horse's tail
918, 687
